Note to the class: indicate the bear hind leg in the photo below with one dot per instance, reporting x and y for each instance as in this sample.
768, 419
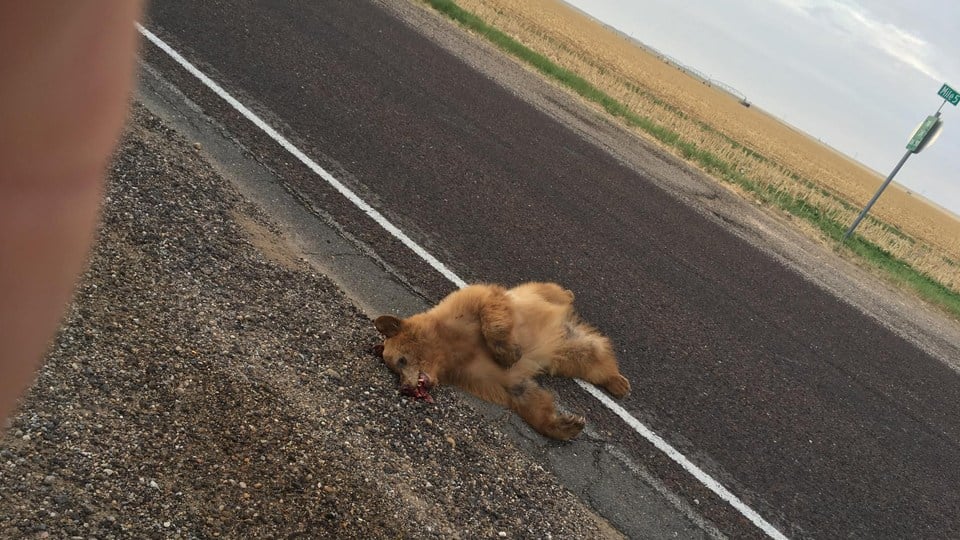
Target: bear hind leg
536, 406
589, 356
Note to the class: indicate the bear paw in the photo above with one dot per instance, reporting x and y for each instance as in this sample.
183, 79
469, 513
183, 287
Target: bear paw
505, 353
618, 386
567, 427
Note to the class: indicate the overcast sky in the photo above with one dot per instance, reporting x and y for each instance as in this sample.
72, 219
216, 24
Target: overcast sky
857, 74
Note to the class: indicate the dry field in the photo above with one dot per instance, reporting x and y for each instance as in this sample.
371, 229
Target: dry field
765, 150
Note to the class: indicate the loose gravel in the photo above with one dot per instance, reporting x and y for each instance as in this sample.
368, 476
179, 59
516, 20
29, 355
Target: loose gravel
208, 383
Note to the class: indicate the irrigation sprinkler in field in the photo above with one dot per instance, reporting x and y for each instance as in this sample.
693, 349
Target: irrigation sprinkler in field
922, 137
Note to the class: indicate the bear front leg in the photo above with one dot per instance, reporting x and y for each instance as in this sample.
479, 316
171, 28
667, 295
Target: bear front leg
496, 325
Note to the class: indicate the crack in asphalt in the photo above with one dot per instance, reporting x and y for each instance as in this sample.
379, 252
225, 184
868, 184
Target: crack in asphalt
167, 92
597, 452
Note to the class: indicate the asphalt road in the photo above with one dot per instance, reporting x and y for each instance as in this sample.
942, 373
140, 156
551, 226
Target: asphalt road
823, 421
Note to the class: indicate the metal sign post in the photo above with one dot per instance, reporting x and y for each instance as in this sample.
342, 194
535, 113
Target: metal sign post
883, 186
922, 137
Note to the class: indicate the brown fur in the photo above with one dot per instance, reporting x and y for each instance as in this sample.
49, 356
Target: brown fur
492, 342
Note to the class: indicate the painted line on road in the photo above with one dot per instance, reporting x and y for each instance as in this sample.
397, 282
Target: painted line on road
312, 165
645, 432
682, 460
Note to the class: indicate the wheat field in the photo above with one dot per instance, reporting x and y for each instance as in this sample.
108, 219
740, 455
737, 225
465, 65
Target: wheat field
754, 143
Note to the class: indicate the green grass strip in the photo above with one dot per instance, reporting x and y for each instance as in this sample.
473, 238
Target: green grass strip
900, 271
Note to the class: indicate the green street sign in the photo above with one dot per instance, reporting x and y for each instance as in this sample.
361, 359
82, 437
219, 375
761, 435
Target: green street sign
949, 94
916, 141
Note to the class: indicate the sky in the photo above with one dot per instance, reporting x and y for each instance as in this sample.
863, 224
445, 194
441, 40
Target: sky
859, 75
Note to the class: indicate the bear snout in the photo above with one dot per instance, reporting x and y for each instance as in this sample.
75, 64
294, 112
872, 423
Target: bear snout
419, 391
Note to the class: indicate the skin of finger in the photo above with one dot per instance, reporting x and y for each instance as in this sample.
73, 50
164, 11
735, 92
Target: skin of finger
65, 79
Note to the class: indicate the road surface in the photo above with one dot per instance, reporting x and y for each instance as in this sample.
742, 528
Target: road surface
816, 416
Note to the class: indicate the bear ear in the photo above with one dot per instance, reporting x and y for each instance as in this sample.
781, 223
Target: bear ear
388, 325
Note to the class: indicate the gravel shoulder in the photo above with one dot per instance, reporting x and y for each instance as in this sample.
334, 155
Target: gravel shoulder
208, 382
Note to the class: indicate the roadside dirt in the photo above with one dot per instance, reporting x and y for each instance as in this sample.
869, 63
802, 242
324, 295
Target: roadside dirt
207, 383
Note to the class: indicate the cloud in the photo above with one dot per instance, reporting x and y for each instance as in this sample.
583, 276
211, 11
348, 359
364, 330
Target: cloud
857, 24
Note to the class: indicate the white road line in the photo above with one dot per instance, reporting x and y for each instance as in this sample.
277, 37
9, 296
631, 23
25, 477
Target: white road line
312, 165
631, 421
682, 460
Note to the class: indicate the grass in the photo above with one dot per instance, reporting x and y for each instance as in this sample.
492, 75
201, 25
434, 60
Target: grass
896, 269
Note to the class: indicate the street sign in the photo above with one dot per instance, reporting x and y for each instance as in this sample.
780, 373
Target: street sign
949, 94
921, 133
